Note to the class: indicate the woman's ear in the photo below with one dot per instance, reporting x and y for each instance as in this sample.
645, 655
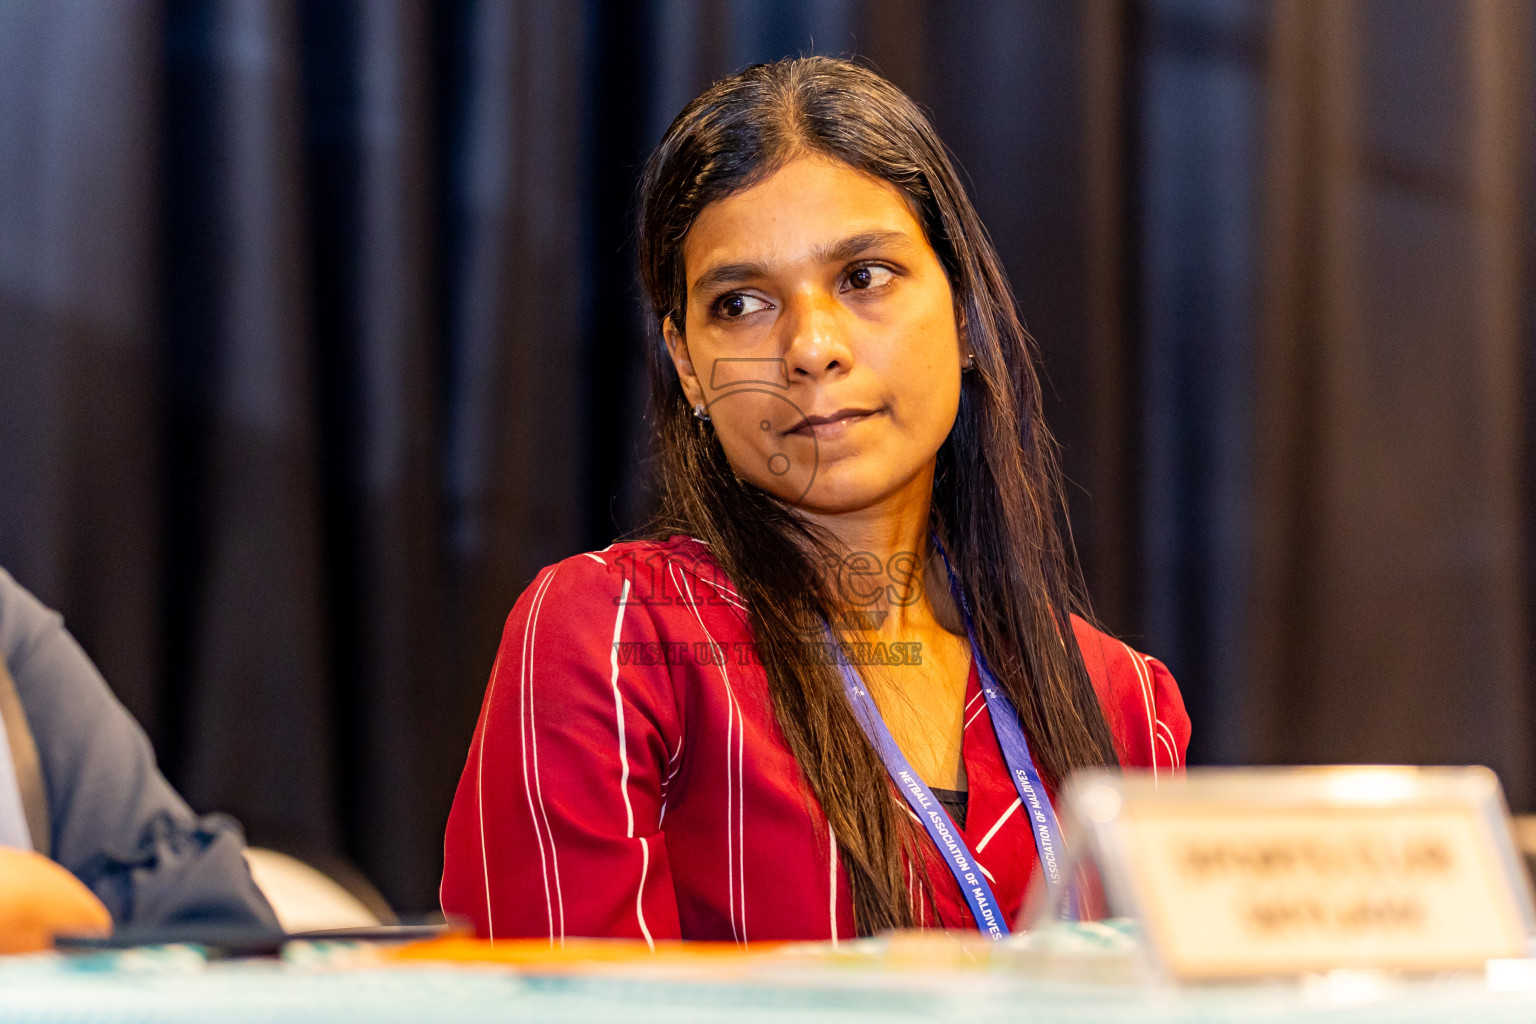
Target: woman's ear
677, 348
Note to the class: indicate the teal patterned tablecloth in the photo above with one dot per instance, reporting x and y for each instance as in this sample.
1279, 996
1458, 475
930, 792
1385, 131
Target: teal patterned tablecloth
173, 985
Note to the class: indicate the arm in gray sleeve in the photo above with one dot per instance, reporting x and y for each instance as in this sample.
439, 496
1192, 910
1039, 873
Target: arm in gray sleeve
116, 823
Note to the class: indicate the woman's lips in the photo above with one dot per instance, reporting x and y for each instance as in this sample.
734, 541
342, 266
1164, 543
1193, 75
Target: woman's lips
832, 425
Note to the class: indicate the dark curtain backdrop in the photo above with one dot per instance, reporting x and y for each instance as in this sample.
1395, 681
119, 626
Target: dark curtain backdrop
319, 336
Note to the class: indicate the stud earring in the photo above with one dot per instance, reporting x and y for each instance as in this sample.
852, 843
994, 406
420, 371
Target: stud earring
970, 362
698, 412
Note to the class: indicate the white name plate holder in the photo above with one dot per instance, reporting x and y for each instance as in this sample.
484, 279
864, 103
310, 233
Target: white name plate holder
1242, 873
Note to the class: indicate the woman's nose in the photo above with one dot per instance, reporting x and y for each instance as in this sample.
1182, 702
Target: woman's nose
817, 343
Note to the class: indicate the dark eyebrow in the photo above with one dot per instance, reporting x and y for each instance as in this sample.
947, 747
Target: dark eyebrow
840, 251
857, 245
729, 273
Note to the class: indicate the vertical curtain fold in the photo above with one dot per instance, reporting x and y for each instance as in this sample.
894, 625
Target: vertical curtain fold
396, 518
1389, 615
79, 92
259, 725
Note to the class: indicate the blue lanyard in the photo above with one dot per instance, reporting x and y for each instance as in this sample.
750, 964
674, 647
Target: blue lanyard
941, 828
1034, 801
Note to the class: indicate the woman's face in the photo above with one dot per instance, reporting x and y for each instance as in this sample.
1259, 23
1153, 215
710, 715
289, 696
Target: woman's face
820, 334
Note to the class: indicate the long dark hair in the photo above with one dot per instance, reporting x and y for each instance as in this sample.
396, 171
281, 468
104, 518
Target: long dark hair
997, 492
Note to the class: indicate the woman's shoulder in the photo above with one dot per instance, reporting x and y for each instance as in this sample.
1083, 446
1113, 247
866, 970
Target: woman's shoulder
622, 556
632, 566
1140, 698
586, 619
656, 575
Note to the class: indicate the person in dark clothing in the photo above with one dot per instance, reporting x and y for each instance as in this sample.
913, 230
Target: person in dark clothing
79, 784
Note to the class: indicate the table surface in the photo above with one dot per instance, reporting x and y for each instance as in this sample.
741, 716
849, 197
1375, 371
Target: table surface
331, 982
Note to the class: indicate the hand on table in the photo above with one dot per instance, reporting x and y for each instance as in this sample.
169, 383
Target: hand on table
39, 899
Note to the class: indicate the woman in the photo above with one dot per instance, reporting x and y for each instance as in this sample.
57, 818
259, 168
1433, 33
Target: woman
671, 744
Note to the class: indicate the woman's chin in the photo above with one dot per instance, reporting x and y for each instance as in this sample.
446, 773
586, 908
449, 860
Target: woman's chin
836, 483
839, 490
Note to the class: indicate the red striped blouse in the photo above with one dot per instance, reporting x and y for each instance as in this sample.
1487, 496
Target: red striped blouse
627, 776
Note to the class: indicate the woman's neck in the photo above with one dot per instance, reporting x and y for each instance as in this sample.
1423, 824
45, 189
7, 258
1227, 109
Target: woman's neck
890, 540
